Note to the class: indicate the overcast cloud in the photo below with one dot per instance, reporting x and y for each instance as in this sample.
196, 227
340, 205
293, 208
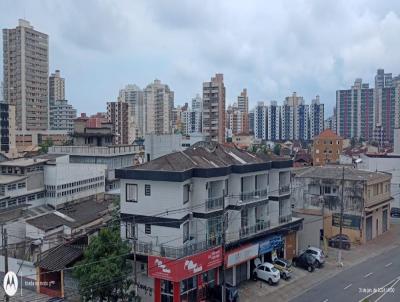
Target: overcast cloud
270, 47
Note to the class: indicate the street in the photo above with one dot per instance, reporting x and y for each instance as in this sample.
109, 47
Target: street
358, 283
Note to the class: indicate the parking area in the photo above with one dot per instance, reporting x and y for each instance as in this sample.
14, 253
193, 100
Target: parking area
252, 291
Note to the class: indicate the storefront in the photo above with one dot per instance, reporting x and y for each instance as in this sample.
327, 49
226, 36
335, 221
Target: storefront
271, 247
187, 279
239, 263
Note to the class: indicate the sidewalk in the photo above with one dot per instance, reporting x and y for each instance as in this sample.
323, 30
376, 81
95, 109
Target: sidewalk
252, 291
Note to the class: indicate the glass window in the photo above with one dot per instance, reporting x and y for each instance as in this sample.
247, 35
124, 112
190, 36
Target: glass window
147, 228
131, 193
130, 230
186, 193
186, 231
167, 291
147, 190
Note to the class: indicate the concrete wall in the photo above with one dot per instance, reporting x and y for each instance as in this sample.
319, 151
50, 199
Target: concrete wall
310, 234
26, 269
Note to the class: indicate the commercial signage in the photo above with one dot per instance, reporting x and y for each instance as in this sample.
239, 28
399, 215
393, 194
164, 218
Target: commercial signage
180, 269
270, 243
349, 221
241, 255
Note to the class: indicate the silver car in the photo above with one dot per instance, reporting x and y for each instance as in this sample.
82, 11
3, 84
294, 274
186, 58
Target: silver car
318, 254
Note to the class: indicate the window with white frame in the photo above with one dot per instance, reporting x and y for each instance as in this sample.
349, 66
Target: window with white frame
130, 230
186, 231
147, 228
147, 190
186, 193
131, 193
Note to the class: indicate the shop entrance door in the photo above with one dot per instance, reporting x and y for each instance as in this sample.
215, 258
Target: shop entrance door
241, 273
384, 221
368, 224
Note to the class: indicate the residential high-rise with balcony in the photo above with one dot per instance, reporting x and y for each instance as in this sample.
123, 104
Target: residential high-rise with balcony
316, 117
158, 102
274, 122
56, 87
117, 115
243, 107
133, 95
214, 109
355, 111
62, 116
192, 118
261, 121
26, 75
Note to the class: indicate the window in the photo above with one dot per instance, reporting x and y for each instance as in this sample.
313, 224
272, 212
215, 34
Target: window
317, 151
186, 191
12, 202
21, 185
130, 230
186, 231
11, 187
147, 228
131, 193
32, 197
147, 190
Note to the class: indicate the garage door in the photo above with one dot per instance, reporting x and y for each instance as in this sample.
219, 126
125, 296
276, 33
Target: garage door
241, 273
369, 228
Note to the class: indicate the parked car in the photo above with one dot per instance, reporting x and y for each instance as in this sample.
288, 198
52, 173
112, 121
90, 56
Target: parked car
306, 261
284, 267
395, 212
231, 293
266, 271
335, 241
318, 254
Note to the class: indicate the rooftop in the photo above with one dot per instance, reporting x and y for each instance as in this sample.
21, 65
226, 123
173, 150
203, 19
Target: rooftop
23, 162
73, 215
60, 257
327, 133
336, 172
7, 179
204, 156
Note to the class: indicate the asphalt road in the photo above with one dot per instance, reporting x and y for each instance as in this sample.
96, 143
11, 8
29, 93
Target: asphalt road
358, 283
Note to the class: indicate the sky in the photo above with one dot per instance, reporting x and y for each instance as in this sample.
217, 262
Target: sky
272, 48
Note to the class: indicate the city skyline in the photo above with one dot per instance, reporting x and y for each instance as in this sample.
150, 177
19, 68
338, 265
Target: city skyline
290, 59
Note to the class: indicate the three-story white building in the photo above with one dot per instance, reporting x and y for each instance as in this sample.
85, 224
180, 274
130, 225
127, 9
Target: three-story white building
174, 206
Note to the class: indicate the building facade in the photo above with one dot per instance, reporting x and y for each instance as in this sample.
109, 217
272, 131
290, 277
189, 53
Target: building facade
133, 95
62, 115
56, 87
118, 117
327, 148
202, 183
261, 121
214, 109
316, 117
26, 75
274, 122
158, 102
243, 107
7, 128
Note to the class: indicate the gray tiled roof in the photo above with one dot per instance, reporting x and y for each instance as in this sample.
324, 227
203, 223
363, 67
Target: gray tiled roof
60, 257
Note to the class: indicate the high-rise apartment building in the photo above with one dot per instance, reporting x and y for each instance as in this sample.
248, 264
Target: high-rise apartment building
192, 118
301, 129
294, 118
261, 121
26, 75
62, 116
236, 121
316, 117
117, 115
274, 122
7, 127
214, 109
56, 87
287, 120
251, 121
355, 111
133, 95
158, 102
243, 107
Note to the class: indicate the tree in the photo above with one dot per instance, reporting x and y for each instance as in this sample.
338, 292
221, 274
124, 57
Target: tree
104, 272
44, 147
277, 149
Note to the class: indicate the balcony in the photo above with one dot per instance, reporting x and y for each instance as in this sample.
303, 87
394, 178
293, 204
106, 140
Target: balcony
254, 229
253, 196
285, 218
213, 204
189, 249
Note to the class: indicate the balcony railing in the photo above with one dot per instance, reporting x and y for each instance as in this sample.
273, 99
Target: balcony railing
285, 218
189, 249
254, 229
254, 195
284, 189
215, 203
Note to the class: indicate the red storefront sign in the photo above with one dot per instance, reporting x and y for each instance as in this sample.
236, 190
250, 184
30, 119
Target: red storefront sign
181, 269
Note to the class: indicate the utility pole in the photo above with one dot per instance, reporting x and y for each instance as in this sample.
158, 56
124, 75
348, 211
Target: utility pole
341, 219
4, 231
134, 255
223, 296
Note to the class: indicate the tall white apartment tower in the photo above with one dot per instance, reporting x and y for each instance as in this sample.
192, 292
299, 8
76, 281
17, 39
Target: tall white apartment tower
158, 101
133, 95
316, 117
26, 75
56, 87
